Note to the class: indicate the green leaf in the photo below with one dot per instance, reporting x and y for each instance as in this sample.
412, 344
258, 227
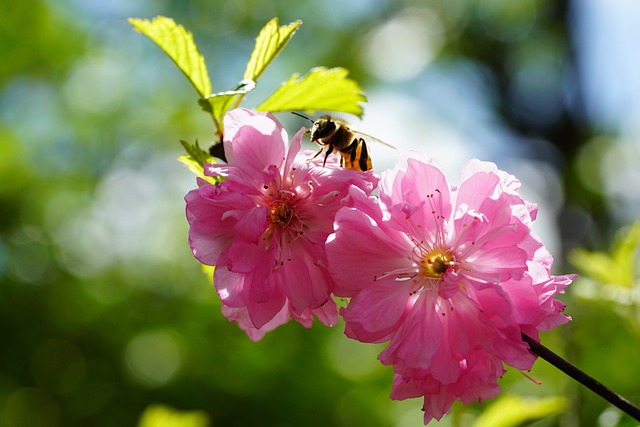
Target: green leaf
320, 89
178, 44
271, 40
195, 159
512, 411
208, 271
624, 252
618, 268
219, 103
196, 153
596, 265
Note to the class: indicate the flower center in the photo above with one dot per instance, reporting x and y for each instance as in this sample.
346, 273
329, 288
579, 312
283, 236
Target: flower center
281, 212
434, 264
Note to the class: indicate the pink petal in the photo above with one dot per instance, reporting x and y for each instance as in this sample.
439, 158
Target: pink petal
207, 243
241, 316
230, 286
496, 265
418, 337
327, 314
253, 152
267, 130
421, 193
242, 257
253, 225
354, 261
407, 388
236, 119
378, 310
305, 282
477, 188
294, 149
509, 183
261, 313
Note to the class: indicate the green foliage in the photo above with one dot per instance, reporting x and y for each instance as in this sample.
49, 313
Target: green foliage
179, 45
163, 416
208, 271
512, 411
616, 268
321, 89
218, 104
195, 159
271, 40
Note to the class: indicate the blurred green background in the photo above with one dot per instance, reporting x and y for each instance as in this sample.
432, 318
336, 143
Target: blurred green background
107, 320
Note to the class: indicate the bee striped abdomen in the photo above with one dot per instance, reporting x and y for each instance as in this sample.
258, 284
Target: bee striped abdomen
356, 156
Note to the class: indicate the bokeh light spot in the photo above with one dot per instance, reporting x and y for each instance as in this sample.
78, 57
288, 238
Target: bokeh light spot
400, 48
164, 416
96, 84
31, 407
352, 359
153, 358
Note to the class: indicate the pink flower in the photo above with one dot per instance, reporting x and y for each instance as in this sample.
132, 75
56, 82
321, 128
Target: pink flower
264, 227
451, 277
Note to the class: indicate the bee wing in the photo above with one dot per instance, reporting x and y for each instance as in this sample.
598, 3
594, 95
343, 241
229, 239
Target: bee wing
372, 138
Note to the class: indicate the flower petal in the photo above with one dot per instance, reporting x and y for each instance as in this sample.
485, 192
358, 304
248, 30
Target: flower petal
304, 279
376, 312
241, 316
355, 262
418, 337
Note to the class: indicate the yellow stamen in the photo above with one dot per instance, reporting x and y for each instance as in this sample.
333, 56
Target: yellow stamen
281, 213
435, 263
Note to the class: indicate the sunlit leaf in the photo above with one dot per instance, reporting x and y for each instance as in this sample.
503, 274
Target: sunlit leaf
219, 103
271, 40
596, 265
163, 416
320, 89
195, 159
512, 411
198, 154
178, 44
208, 270
617, 268
624, 251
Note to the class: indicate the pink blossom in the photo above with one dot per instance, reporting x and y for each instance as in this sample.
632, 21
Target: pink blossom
450, 276
264, 227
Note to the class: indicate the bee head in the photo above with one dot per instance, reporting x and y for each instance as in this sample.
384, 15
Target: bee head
322, 128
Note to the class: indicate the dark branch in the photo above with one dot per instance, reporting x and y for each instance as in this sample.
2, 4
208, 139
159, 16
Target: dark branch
582, 378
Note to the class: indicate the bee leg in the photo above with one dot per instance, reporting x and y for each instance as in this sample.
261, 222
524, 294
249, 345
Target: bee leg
317, 154
326, 156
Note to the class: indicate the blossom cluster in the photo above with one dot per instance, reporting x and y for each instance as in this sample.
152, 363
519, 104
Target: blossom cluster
264, 227
451, 277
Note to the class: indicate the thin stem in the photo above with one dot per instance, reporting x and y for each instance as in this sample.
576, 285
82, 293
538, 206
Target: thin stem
582, 378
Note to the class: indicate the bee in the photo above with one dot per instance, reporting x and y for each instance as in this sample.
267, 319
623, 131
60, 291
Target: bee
337, 135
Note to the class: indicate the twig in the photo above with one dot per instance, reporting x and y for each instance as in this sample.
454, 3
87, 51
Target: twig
582, 378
